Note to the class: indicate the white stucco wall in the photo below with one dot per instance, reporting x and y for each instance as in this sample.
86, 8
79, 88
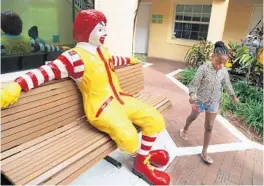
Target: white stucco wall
120, 17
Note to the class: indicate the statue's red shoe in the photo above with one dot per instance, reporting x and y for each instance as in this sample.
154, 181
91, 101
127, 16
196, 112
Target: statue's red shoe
144, 170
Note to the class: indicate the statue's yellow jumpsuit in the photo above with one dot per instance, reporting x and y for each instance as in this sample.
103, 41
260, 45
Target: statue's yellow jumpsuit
106, 106
111, 111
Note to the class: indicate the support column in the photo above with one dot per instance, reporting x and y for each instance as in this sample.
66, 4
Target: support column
217, 20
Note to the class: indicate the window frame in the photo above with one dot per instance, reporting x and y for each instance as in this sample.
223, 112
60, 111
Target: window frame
174, 21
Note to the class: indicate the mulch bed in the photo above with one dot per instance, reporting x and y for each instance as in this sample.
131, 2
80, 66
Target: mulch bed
244, 128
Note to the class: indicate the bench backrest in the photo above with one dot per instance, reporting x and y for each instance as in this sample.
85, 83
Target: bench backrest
53, 105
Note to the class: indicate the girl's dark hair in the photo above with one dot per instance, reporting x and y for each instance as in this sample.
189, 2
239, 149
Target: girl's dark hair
220, 48
11, 23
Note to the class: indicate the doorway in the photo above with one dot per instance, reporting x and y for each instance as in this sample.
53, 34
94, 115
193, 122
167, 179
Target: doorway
142, 28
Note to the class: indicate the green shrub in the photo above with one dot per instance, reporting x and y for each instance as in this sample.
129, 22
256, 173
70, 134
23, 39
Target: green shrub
250, 110
226, 104
248, 92
199, 54
252, 113
187, 75
141, 57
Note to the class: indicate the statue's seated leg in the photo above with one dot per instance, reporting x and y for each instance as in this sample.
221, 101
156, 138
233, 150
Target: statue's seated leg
151, 123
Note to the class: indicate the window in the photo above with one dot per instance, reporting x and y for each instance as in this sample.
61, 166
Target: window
191, 21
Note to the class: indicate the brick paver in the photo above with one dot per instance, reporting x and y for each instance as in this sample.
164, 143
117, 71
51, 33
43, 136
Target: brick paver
230, 168
157, 83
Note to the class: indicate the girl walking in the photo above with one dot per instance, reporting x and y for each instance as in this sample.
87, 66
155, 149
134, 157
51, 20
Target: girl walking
205, 92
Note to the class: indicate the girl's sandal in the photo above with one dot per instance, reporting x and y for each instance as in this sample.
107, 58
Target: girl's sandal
207, 159
183, 135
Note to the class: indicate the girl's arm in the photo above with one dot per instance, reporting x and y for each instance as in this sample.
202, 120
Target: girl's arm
227, 85
229, 89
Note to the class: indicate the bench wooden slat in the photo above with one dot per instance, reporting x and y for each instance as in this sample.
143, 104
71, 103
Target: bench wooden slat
39, 141
165, 106
70, 173
149, 100
38, 133
156, 100
46, 87
62, 164
142, 96
32, 153
136, 70
136, 76
145, 97
36, 116
128, 76
133, 89
39, 105
54, 153
128, 67
164, 102
27, 100
136, 81
56, 121
37, 150
28, 125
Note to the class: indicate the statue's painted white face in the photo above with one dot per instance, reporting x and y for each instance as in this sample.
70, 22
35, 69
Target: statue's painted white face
98, 35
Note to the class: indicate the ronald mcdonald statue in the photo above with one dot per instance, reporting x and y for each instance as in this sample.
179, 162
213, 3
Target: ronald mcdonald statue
106, 107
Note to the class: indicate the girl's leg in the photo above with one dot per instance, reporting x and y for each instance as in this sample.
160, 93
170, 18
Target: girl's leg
190, 119
209, 121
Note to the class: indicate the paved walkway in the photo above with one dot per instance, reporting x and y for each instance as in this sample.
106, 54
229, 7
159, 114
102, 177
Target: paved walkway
236, 160
230, 168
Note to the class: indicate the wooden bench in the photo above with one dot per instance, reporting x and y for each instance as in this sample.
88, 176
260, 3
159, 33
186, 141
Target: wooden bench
46, 138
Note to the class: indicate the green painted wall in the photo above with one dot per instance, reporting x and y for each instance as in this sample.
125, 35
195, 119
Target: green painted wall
53, 17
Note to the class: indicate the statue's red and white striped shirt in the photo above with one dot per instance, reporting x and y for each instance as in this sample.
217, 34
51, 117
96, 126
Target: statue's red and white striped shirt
68, 64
